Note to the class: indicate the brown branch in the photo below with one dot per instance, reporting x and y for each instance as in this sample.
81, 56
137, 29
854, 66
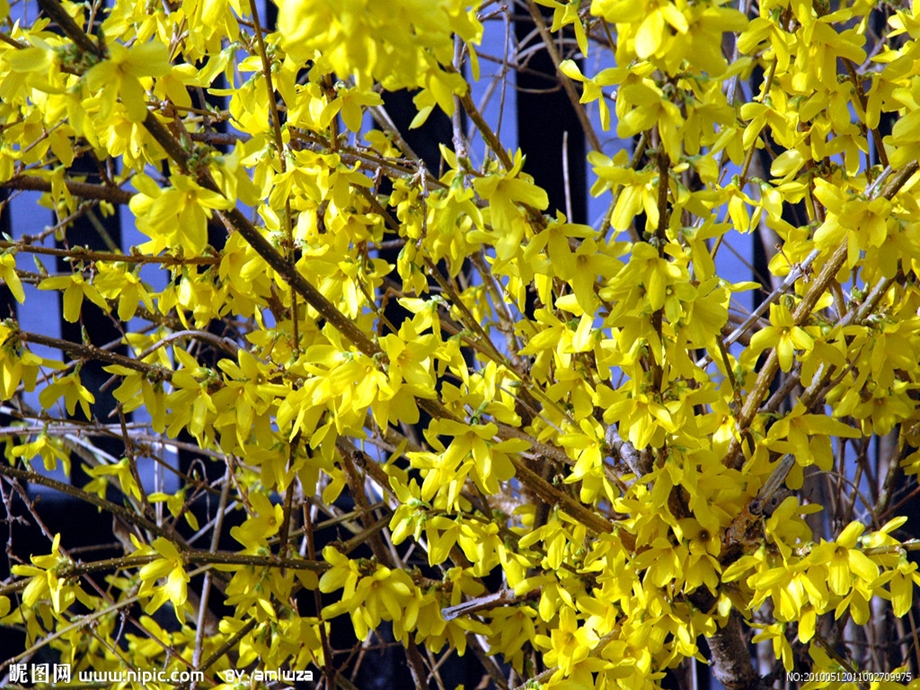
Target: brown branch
310, 534
59, 16
231, 643
235, 219
731, 660
171, 146
12, 42
371, 467
491, 139
123, 513
359, 496
360, 539
416, 664
83, 190
553, 496
91, 352
289, 273
801, 314
197, 557
81, 253
218, 138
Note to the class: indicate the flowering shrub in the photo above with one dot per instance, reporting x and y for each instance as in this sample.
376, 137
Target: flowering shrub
582, 410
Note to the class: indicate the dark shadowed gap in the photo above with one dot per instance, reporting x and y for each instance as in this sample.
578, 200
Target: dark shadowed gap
545, 117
